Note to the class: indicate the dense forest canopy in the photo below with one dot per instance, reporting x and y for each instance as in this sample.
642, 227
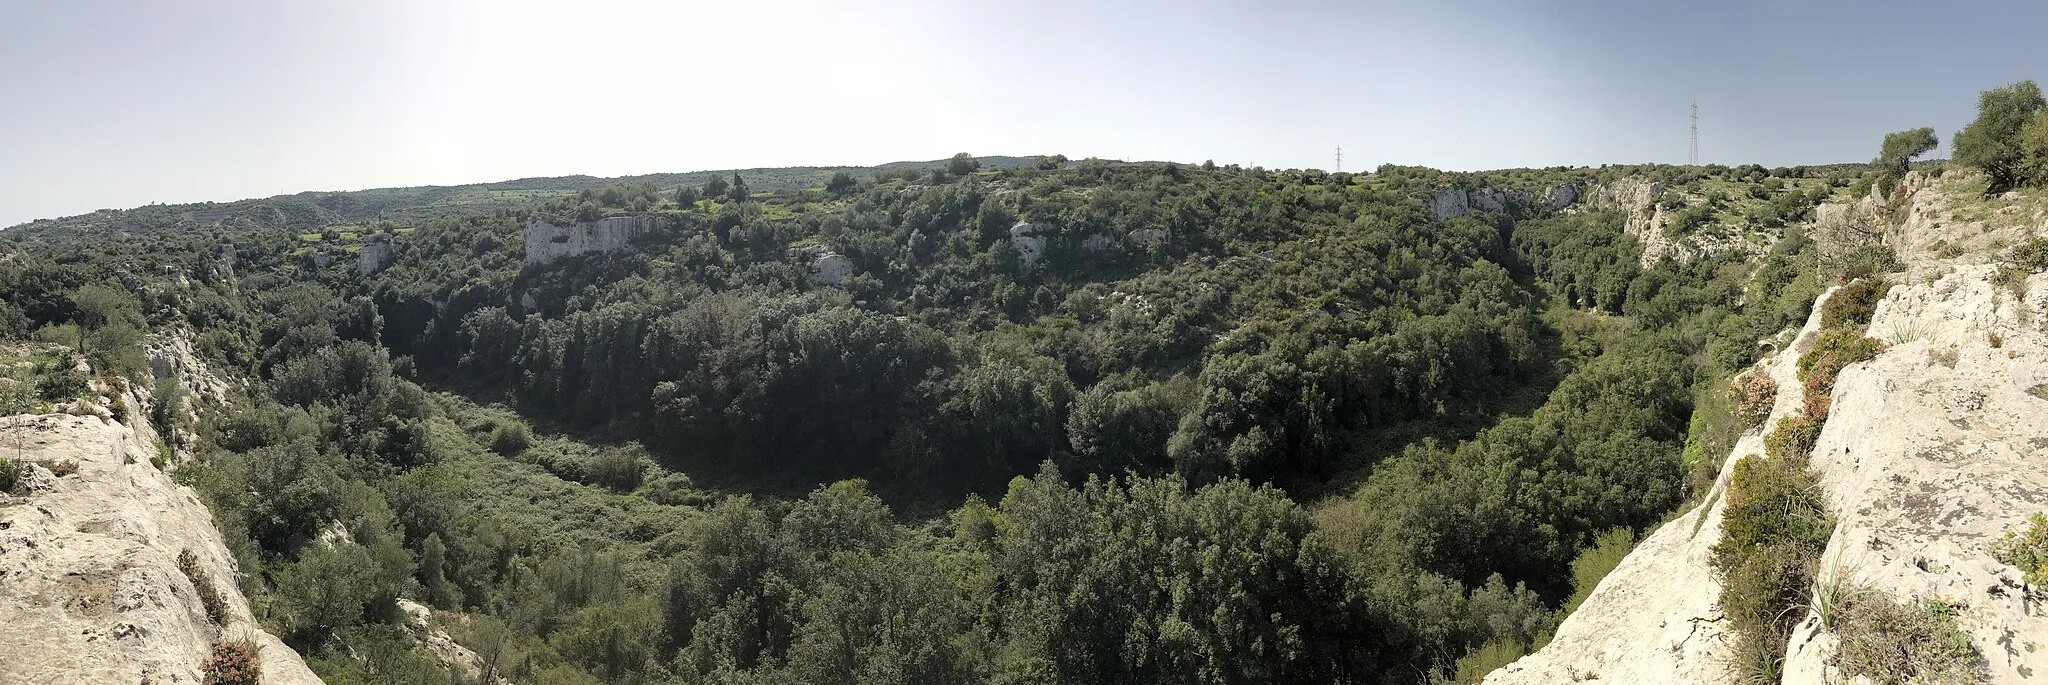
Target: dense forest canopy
1058, 422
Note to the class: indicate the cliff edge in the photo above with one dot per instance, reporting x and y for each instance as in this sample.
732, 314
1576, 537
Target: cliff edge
92, 588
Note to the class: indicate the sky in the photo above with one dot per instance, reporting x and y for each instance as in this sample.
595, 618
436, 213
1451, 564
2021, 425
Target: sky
120, 104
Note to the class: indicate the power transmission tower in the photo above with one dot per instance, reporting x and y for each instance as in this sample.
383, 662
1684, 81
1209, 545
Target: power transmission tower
1692, 151
1340, 158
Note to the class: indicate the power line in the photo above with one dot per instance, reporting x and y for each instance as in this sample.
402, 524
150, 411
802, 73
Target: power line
1692, 152
1340, 158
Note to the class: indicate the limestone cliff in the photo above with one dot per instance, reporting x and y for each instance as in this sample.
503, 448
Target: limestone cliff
546, 242
1930, 452
1656, 617
91, 589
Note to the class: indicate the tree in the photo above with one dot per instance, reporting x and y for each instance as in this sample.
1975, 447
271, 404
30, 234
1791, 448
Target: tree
841, 183
1992, 142
2034, 151
1900, 147
686, 197
962, 164
739, 191
717, 186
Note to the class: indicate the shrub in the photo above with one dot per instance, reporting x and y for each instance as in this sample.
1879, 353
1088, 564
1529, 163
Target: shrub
510, 438
2030, 257
1793, 437
1864, 260
60, 469
1853, 304
618, 468
2027, 551
1595, 562
10, 475
1754, 395
1832, 351
1894, 643
1773, 532
58, 380
209, 598
232, 663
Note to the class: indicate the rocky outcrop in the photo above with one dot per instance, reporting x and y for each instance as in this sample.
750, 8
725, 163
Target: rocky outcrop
1563, 196
90, 585
1931, 451
1646, 219
1449, 203
1149, 238
1643, 218
1027, 240
822, 266
419, 621
375, 254
1656, 618
546, 242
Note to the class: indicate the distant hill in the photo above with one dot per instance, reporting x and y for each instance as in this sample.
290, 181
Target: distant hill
405, 206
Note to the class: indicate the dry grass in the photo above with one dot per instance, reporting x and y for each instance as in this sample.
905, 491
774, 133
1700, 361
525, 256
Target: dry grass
1896, 643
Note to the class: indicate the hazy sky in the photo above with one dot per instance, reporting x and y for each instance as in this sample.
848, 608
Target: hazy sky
117, 104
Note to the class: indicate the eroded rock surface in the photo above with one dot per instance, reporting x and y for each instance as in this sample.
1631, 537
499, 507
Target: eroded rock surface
546, 242
90, 588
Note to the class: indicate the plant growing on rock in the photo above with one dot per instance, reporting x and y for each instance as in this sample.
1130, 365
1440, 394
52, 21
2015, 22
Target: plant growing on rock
2027, 551
209, 597
1754, 395
1854, 304
1895, 643
232, 663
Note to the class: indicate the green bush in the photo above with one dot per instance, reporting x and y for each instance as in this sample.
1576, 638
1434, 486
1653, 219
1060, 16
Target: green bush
58, 380
10, 475
1595, 562
1894, 643
618, 468
1773, 532
510, 438
1794, 436
1833, 350
2027, 258
1853, 304
2028, 550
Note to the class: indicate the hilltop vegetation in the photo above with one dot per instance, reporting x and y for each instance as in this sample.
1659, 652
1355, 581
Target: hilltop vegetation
1221, 425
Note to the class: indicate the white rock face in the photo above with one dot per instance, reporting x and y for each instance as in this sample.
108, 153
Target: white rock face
1646, 220
1563, 196
1924, 465
1657, 618
1487, 200
375, 254
90, 590
546, 242
419, 621
1924, 462
1449, 203
1030, 246
831, 268
1149, 238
